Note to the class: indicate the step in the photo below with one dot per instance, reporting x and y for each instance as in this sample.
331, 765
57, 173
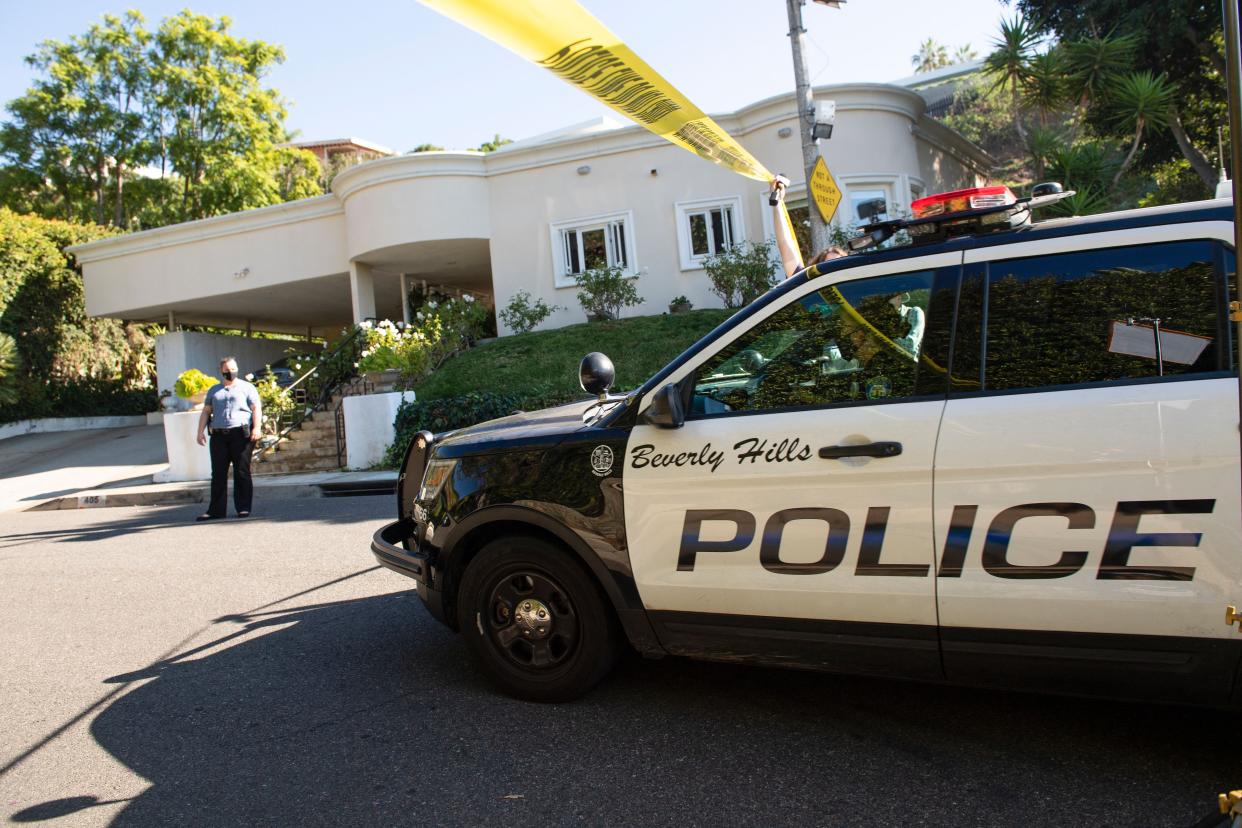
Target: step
302, 465
294, 450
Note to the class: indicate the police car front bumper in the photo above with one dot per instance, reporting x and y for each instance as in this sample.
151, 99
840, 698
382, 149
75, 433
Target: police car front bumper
388, 546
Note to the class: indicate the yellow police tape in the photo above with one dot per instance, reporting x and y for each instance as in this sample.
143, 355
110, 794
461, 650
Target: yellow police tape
565, 39
568, 41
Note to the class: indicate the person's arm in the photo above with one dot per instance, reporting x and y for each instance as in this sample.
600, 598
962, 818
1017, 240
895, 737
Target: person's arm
791, 259
204, 419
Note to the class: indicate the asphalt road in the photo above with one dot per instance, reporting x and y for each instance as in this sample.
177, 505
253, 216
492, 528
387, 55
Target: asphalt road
154, 671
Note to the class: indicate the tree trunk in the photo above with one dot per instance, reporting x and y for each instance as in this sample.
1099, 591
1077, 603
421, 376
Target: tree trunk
1125, 164
118, 211
1197, 161
1017, 112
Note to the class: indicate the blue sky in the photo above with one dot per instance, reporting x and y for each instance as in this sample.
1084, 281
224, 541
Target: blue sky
397, 73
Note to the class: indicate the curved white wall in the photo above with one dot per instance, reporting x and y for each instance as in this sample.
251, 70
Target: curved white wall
413, 198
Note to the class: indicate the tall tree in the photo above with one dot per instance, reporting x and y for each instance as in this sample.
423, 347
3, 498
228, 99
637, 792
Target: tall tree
188, 99
80, 127
219, 125
930, 56
1009, 64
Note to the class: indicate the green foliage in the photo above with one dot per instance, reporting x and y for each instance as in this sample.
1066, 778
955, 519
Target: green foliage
426, 148
449, 413
547, 361
604, 291
1182, 39
10, 363
496, 143
522, 315
187, 99
440, 329
85, 397
42, 308
741, 273
192, 382
681, 302
275, 402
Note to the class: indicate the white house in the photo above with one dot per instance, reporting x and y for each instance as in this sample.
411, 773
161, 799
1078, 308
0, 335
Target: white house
525, 217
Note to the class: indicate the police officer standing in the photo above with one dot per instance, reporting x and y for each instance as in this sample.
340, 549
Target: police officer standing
234, 416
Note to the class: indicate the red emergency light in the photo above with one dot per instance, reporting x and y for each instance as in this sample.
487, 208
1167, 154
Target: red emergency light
975, 198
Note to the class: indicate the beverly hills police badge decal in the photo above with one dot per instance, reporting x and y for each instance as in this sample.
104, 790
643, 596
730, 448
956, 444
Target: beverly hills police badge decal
601, 461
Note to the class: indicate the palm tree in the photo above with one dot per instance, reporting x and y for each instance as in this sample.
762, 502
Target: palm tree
1044, 89
1141, 99
1091, 65
930, 56
964, 54
1009, 63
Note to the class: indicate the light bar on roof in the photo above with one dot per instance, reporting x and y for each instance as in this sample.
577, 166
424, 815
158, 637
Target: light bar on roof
957, 201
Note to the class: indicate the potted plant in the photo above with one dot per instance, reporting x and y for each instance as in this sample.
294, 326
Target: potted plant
680, 304
193, 385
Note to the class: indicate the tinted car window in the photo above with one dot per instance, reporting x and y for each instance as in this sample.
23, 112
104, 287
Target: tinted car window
855, 341
1092, 316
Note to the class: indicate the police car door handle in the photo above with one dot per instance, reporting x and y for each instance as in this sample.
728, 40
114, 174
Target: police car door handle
883, 449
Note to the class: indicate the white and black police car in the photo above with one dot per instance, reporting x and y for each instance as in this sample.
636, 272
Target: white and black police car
1004, 455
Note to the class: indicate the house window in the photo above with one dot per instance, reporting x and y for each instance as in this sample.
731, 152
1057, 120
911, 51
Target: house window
705, 228
868, 204
586, 244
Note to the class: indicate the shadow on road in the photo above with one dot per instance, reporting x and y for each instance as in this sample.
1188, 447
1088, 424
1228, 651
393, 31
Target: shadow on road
366, 711
151, 519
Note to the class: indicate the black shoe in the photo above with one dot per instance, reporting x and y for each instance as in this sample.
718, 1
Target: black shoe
243, 514
207, 517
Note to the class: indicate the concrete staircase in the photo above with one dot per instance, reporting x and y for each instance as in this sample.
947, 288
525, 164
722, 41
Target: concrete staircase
310, 447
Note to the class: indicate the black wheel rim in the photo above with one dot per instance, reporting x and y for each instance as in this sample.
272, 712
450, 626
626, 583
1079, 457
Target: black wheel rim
531, 621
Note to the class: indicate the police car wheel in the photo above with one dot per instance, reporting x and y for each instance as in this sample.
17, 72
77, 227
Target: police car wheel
535, 620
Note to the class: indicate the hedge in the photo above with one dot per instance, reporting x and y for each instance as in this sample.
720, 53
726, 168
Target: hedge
451, 413
82, 398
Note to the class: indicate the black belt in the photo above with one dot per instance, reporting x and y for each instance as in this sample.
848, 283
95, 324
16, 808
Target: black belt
230, 430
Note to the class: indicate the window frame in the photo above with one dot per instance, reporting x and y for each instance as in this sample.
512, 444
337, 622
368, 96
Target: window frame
606, 221
934, 262
982, 259
683, 210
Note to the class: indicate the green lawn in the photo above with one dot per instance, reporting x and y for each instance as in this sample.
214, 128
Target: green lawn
547, 361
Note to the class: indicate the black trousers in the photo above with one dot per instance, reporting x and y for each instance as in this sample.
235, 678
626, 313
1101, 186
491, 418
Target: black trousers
232, 446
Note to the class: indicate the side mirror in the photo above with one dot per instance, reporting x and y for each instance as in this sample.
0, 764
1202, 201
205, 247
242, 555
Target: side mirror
596, 374
668, 407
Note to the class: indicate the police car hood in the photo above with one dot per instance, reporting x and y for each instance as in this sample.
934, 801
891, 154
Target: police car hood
543, 427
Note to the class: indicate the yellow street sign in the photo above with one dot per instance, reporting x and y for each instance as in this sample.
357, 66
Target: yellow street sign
824, 190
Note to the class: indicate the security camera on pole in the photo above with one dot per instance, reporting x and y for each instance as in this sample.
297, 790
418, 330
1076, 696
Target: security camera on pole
810, 128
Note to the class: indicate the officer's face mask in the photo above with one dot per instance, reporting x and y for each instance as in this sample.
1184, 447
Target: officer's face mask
226, 373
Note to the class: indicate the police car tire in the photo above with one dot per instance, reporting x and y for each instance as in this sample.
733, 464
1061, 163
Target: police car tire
596, 642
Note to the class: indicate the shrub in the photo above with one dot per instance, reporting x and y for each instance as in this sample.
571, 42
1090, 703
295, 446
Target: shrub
192, 382
449, 413
275, 402
604, 291
522, 316
742, 273
9, 362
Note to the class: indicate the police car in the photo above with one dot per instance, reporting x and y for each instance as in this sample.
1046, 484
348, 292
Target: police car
1004, 455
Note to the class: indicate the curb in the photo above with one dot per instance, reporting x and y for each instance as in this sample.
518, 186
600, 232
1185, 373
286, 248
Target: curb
102, 498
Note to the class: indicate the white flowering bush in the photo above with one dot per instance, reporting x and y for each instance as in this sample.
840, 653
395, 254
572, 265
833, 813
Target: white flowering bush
438, 330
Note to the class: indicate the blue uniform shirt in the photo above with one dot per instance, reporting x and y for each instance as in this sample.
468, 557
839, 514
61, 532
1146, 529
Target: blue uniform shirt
230, 406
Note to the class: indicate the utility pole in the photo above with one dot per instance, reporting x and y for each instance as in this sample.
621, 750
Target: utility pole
806, 121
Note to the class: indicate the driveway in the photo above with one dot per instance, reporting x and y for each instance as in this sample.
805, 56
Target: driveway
35, 467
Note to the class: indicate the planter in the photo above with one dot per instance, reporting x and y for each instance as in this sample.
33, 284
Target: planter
383, 380
196, 402
684, 307
599, 317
